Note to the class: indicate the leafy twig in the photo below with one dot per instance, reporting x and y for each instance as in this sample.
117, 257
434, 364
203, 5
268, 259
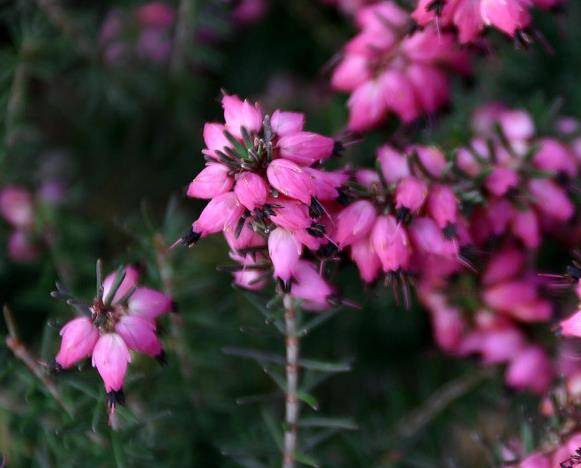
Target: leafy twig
21, 352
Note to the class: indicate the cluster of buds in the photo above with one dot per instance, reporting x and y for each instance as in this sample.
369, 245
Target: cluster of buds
388, 69
121, 318
405, 219
470, 17
525, 182
268, 198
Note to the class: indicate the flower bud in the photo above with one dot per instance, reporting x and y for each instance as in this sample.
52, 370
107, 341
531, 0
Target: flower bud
287, 123
222, 213
78, 340
391, 244
138, 333
111, 357
291, 180
364, 256
410, 194
305, 148
394, 166
240, 114
284, 251
443, 205
149, 303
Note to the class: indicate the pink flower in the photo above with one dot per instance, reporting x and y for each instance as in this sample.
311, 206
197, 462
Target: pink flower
310, 287
291, 180
530, 370
505, 264
368, 178
535, 460
222, 213
291, 215
351, 72
16, 206
525, 226
326, 184
287, 123
507, 15
443, 205
110, 357
410, 194
354, 222
572, 325
251, 190
431, 158
284, 251
240, 114
553, 156
428, 239
364, 256
214, 180
246, 239
215, 139
156, 14
305, 148
138, 333
520, 299
21, 248
551, 199
79, 337
129, 283
516, 124
390, 242
367, 106
394, 166
149, 303
501, 180
448, 327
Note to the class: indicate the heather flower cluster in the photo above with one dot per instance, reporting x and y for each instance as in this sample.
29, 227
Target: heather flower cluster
387, 69
122, 319
269, 198
471, 17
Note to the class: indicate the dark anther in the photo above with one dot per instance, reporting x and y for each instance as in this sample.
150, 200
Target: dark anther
174, 307
316, 230
437, 6
450, 231
315, 208
403, 215
342, 197
55, 367
190, 238
338, 148
328, 250
574, 272
115, 397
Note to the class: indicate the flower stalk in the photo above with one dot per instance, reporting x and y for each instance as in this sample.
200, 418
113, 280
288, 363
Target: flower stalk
292, 379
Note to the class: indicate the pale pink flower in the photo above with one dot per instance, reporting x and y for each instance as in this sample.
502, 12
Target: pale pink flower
367, 261
251, 190
79, 337
127, 285
138, 333
240, 114
149, 303
215, 139
354, 222
501, 180
310, 287
551, 199
287, 123
410, 194
284, 251
394, 166
291, 180
443, 205
390, 243
212, 181
305, 148
110, 357
16, 206
222, 213
530, 370
21, 247
572, 325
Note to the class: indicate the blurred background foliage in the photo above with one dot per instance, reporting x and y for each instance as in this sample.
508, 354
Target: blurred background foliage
127, 140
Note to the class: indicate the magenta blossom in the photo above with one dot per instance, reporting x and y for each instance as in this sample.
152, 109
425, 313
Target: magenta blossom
123, 319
